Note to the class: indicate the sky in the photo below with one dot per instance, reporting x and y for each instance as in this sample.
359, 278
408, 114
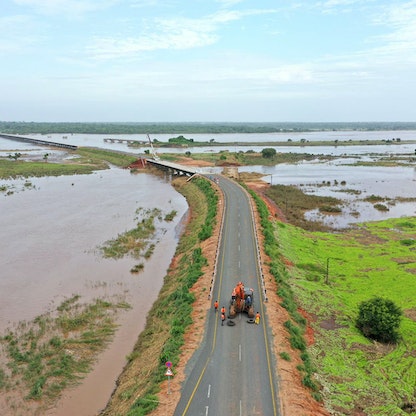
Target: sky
207, 60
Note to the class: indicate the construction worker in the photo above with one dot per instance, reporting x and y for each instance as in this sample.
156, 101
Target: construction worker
257, 320
222, 318
216, 306
248, 300
223, 310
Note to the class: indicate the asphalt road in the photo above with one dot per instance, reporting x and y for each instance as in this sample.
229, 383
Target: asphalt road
233, 372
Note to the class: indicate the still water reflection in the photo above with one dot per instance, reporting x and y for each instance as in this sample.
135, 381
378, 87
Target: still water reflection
350, 184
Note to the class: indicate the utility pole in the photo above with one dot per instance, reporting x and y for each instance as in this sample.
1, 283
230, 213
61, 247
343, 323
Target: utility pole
327, 271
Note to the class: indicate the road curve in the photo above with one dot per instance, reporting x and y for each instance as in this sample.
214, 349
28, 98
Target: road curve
233, 371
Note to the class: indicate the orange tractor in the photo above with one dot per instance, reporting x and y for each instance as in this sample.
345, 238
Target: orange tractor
241, 301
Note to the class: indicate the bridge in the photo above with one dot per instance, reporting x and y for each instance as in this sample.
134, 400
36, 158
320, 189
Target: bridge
38, 141
128, 141
174, 168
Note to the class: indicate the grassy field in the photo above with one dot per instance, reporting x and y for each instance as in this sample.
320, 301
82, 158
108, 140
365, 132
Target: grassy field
331, 274
294, 203
87, 160
248, 158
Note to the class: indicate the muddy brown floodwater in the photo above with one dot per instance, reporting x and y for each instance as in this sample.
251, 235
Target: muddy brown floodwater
50, 234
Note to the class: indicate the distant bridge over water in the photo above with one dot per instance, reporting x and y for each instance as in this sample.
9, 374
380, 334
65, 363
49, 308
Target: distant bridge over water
174, 168
38, 141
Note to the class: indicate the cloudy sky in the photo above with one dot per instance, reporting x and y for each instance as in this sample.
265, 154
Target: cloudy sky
208, 60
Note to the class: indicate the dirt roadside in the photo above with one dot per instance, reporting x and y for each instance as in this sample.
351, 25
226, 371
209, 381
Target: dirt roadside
295, 399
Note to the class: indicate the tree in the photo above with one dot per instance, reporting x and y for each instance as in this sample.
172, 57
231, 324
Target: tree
15, 156
268, 152
379, 319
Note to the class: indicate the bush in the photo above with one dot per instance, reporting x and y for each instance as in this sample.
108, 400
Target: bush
268, 152
379, 319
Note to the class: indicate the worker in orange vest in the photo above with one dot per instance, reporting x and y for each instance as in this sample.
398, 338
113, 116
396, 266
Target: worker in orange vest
222, 318
216, 306
223, 310
257, 320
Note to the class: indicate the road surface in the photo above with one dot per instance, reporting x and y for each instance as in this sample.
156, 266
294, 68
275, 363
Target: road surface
233, 372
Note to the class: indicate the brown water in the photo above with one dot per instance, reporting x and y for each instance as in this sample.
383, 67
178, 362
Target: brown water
50, 234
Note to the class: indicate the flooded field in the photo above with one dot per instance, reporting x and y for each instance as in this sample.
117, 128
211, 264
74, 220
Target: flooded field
51, 233
352, 185
52, 229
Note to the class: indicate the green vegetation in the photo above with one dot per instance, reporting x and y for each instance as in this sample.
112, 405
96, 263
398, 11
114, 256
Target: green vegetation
297, 325
136, 241
268, 153
180, 140
170, 216
285, 356
381, 207
374, 198
89, 161
20, 168
212, 201
15, 156
137, 268
54, 351
170, 315
294, 203
330, 276
248, 158
196, 127
379, 319
97, 156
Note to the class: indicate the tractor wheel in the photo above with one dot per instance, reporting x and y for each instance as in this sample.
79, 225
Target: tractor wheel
232, 312
251, 312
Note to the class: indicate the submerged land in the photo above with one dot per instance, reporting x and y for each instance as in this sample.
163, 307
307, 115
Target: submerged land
318, 278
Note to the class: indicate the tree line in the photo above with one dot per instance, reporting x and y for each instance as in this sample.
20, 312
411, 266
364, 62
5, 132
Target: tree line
21, 127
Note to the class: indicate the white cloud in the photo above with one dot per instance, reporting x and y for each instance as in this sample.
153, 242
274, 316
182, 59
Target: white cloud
111, 48
399, 44
167, 33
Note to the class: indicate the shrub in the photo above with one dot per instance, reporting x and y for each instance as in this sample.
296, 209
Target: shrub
268, 152
379, 319
381, 207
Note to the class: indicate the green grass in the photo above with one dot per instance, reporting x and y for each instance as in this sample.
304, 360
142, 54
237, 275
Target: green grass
248, 158
136, 242
20, 168
96, 156
362, 263
294, 203
89, 160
